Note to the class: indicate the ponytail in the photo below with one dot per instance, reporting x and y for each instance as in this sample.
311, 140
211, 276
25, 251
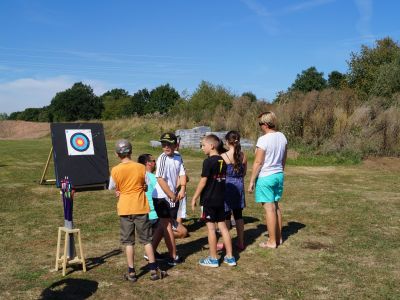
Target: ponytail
233, 138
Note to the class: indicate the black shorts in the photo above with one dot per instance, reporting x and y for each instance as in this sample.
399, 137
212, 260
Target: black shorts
237, 214
213, 214
164, 209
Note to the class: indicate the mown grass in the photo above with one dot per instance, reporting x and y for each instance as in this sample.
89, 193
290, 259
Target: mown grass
341, 224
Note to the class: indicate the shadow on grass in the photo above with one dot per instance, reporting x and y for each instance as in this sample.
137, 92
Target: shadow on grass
291, 228
94, 262
194, 224
70, 288
251, 235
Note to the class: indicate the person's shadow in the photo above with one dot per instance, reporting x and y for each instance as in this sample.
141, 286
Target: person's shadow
93, 262
70, 288
251, 235
291, 228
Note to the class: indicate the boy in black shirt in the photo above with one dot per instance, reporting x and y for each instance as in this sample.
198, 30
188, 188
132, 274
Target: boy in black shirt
211, 190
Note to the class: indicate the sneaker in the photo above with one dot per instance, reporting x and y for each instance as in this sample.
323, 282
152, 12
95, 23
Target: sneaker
157, 256
131, 277
209, 262
230, 261
158, 274
174, 262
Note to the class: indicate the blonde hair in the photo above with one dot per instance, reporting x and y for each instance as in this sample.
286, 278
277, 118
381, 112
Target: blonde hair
268, 118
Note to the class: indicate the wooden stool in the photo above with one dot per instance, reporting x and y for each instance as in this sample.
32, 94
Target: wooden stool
63, 259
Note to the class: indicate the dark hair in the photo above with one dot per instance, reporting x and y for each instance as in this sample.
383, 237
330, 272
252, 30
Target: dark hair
233, 138
144, 158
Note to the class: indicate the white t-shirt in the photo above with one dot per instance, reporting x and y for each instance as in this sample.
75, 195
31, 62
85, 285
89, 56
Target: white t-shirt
274, 145
169, 168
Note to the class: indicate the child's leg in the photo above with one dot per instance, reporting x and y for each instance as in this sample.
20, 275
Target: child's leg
169, 236
158, 234
130, 255
279, 225
237, 213
181, 231
227, 238
212, 239
271, 220
148, 249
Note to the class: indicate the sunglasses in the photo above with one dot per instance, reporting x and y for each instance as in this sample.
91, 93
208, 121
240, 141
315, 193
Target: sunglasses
166, 144
261, 124
153, 160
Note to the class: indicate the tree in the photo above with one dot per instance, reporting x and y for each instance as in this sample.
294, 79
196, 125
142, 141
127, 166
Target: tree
161, 99
309, 80
365, 67
139, 101
206, 99
77, 103
388, 79
3, 116
30, 114
117, 104
336, 80
250, 95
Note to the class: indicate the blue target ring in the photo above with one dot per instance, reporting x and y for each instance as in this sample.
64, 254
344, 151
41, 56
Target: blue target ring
80, 142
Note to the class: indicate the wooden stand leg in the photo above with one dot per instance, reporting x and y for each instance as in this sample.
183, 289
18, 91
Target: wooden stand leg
58, 248
65, 253
81, 252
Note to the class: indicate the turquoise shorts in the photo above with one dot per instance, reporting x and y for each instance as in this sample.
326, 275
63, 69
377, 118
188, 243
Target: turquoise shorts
269, 188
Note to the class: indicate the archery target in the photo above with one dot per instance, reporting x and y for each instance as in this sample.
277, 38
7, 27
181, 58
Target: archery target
79, 141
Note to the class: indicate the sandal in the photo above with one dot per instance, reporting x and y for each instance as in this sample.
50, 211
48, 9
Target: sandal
265, 245
158, 274
131, 277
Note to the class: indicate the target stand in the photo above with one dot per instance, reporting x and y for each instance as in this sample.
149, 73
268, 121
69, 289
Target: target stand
43, 180
64, 260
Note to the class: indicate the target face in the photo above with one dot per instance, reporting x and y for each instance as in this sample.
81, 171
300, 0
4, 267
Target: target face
79, 141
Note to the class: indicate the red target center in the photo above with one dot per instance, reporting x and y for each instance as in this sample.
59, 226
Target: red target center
80, 142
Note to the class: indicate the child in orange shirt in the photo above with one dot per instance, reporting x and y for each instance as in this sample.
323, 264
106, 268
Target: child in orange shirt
128, 177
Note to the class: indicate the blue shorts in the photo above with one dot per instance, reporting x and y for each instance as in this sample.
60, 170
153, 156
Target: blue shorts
269, 188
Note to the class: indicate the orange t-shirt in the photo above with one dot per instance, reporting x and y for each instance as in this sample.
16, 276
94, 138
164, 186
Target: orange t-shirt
129, 179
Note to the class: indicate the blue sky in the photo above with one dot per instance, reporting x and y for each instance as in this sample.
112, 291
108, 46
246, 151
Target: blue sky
244, 45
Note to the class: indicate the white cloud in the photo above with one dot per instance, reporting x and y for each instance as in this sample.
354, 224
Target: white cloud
23, 93
265, 17
306, 5
365, 9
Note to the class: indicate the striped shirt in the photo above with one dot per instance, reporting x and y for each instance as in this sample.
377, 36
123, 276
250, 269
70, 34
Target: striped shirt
169, 168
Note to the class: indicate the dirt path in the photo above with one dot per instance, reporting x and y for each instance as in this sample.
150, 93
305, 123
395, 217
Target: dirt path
15, 130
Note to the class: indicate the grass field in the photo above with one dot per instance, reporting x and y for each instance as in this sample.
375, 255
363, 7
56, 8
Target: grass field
341, 229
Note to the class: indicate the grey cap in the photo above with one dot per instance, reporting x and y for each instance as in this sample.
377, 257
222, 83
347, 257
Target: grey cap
123, 147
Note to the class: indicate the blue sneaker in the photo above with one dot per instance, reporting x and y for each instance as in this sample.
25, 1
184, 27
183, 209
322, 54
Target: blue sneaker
230, 261
209, 262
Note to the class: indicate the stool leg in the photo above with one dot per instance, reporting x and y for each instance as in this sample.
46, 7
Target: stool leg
58, 248
65, 253
81, 252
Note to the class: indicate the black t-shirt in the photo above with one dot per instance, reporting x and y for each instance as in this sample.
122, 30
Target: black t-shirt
214, 168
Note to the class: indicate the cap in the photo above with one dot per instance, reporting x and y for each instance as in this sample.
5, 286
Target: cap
123, 147
168, 137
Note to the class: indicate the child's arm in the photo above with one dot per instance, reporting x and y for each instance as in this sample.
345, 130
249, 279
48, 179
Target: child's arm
199, 189
182, 191
164, 186
244, 163
257, 164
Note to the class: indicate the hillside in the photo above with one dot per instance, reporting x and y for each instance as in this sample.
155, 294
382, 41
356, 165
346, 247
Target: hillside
16, 130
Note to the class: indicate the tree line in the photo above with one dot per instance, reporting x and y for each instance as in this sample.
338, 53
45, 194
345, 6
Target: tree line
355, 112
